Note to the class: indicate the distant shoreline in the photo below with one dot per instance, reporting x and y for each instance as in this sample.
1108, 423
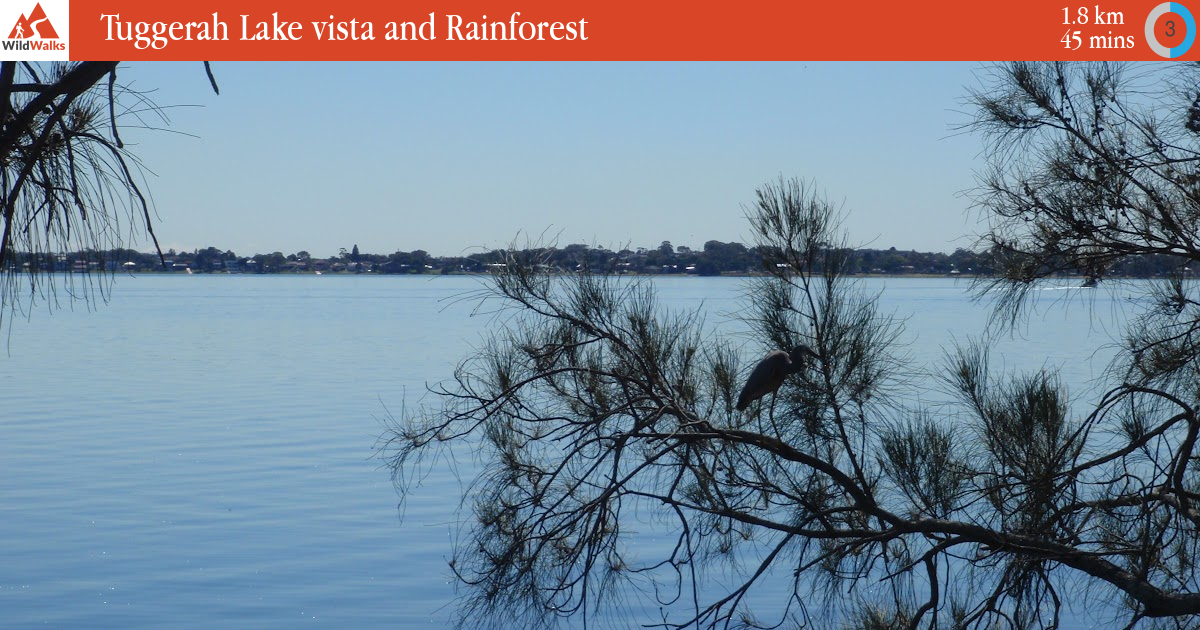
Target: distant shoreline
715, 259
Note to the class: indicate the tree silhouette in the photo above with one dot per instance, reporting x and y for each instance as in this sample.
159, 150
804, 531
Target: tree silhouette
66, 177
616, 470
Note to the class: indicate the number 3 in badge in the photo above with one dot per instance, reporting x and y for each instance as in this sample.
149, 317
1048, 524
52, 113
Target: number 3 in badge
1170, 30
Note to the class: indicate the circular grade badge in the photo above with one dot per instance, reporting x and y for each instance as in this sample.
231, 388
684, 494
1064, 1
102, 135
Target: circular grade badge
1171, 29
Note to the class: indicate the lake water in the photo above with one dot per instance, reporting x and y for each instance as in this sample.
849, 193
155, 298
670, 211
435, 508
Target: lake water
200, 450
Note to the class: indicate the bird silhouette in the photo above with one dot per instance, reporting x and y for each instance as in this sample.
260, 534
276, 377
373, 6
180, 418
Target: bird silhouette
769, 374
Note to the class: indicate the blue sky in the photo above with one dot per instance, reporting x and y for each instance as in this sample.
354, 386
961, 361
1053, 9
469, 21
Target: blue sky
452, 157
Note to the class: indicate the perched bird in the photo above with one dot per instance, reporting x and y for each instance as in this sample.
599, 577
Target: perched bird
770, 373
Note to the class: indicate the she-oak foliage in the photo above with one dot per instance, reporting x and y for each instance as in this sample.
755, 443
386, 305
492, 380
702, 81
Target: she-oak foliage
68, 183
616, 473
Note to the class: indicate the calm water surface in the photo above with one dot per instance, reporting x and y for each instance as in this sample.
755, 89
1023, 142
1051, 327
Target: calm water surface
200, 450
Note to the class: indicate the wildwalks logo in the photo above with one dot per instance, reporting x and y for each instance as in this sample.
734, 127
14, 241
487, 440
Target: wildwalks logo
36, 25
38, 34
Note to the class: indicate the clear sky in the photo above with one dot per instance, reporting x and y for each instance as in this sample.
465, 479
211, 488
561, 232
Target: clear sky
452, 157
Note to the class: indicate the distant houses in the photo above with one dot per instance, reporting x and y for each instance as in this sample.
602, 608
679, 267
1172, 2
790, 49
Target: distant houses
715, 258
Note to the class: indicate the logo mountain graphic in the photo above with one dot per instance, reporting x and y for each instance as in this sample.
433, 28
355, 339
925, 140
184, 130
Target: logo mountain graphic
37, 24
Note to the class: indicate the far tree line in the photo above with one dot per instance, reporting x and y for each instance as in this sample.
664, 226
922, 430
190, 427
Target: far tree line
715, 258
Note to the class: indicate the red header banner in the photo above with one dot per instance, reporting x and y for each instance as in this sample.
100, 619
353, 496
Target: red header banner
610, 30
